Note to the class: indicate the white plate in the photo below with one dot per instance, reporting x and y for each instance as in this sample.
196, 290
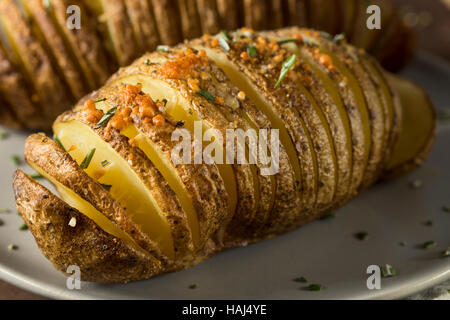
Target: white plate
324, 252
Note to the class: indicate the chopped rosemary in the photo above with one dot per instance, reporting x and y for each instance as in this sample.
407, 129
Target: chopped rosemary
106, 117
388, 271
251, 50
100, 100
362, 235
161, 48
104, 163
445, 253
58, 142
206, 94
15, 160
87, 160
314, 287
429, 244
23, 227
287, 41
301, 279
107, 187
287, 65
193, 286
36, 176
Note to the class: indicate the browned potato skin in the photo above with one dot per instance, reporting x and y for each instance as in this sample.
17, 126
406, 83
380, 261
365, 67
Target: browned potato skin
143, 22
100, 256
190, 19
47, 85
84, 43
202, 181
150, 176
47, 155
16, 98
54, 44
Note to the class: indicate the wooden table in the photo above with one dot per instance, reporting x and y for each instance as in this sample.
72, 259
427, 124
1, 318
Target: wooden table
431, 19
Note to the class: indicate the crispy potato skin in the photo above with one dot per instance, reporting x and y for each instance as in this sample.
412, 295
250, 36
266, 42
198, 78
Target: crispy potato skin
100, 256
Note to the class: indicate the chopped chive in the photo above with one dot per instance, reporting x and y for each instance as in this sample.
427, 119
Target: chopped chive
223, 43
3, 134
251, 51
15, 160
362, 235
12, 246
287, 41
164, 101
443, 115
193, 286
429, 244
301, 279
147, 62
403, 243
106, 117
23, 227
179, 124
287, 65
87, 160
36, 176
225, 34
206, 94
446, 209
416, 184
104, 163
1, 222
314, 287
5, 210
388, 271
339, 37
161, 48
428, 223
107, 187
100, 100
58, 142
445, 253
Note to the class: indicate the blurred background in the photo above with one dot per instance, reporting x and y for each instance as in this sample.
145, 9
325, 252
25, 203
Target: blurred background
430, 19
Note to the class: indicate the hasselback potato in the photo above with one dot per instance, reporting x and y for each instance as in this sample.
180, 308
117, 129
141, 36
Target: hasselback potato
129, 211
47, 66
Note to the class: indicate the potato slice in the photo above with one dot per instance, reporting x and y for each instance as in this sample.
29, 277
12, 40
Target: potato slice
84, 44
117, 29
16, 97
145, 31
198, 187
418, 128
33, 59
48, 36
168, 21
103, 252
190, 18
134, 181
207, 10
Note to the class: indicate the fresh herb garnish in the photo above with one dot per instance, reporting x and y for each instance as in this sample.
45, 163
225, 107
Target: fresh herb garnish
206, 94
12, 246
281, 42
403, 243
428, 223
388, 271
416, 184
1, 222
100, 100
162, 48
36, 176
104, 163
287, 65
193, 286
15, 160
251, 50
58, 142
443, 115
179, 124
429, 244
147, 62
329, 216
107, 187
314, 287
301, 279
23, 227
87, 160
362, 235
446, 209
339, 37
445, 253
225, 34
3, 134
106, 117
5, 210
